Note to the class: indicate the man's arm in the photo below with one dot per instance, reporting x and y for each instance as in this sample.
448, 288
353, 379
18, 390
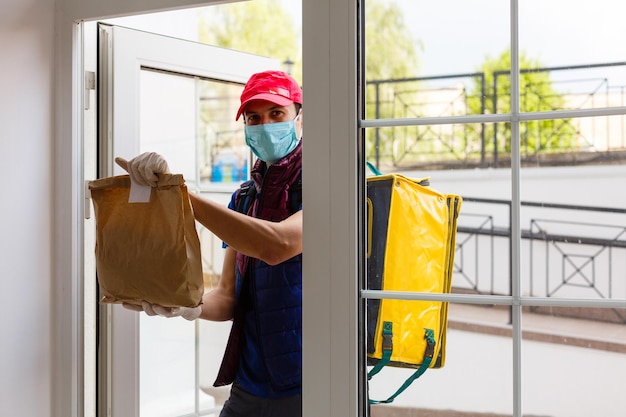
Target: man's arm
272, 242
218, 304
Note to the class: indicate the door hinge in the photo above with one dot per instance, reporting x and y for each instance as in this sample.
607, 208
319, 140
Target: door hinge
90, 84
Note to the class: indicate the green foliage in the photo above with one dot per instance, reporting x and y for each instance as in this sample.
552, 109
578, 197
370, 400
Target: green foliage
390, 53
537, 94
390, 50
260, 27
264, 27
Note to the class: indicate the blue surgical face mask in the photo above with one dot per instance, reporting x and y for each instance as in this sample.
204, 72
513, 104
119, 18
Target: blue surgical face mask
271, 142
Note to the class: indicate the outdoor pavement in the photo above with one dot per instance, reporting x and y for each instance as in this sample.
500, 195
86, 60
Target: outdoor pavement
540, 327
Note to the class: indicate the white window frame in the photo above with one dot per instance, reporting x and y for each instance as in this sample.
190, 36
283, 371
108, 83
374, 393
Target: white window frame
331, 232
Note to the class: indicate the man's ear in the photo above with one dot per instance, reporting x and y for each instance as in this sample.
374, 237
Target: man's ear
301, 123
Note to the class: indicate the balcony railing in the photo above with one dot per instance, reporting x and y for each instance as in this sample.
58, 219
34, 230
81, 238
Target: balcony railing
557, 141
567, 251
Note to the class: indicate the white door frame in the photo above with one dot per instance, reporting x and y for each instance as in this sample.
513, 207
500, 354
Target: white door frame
123, 54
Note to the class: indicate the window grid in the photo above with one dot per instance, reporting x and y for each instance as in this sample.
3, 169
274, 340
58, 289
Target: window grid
516, 301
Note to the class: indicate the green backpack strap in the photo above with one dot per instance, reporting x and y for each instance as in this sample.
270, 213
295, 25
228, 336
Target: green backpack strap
387, 349
373, 169
429, 335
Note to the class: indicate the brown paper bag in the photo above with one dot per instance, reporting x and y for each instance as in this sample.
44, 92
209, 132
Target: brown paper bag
147, 251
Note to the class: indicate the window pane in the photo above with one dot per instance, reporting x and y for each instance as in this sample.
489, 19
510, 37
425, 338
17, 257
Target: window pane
476, 377
574, 362
572, 217
223, 156
573, 141
167, 367
482, 263
577, 41
186, 119
573, 251
167, 119
426, 96
191, 121
417, 44
442, 153
423, 149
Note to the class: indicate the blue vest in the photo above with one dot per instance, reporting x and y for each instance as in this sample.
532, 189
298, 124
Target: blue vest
267, 322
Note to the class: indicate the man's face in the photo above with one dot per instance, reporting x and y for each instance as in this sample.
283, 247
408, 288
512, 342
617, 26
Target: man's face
259, 112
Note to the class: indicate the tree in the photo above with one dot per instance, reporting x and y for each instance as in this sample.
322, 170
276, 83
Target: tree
390, 53
537, 93
263, 27
260, 27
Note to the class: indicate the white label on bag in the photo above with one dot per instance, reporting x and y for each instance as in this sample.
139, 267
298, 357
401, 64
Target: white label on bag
139, 193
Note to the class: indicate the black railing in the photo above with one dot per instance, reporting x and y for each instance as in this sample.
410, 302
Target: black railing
563, 252
564, 141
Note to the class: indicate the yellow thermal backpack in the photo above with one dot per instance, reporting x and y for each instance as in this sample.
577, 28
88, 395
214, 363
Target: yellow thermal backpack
411, 246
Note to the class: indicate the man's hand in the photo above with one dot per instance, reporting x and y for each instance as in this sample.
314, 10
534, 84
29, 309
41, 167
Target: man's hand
143, 168
187, 313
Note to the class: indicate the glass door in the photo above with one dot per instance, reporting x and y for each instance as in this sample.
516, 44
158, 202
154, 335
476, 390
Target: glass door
177, 98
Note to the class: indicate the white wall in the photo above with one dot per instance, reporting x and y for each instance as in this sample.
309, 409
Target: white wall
39, 150
597, 186
26, 211
583, 185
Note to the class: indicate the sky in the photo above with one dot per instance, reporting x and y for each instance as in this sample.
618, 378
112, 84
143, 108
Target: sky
558, 32
457, 35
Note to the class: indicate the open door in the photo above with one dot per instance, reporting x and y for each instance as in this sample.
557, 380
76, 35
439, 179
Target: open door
177, 98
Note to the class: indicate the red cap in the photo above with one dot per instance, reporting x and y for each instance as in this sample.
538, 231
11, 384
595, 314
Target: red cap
275, 86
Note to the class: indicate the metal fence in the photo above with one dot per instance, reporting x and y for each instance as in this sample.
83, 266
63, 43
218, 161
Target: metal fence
567, 251
558, 141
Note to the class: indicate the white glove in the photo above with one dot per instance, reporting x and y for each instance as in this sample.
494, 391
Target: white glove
143, 168
188, 313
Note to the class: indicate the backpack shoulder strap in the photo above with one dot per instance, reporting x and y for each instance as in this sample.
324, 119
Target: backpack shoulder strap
295, 194
247, 192
245, 196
